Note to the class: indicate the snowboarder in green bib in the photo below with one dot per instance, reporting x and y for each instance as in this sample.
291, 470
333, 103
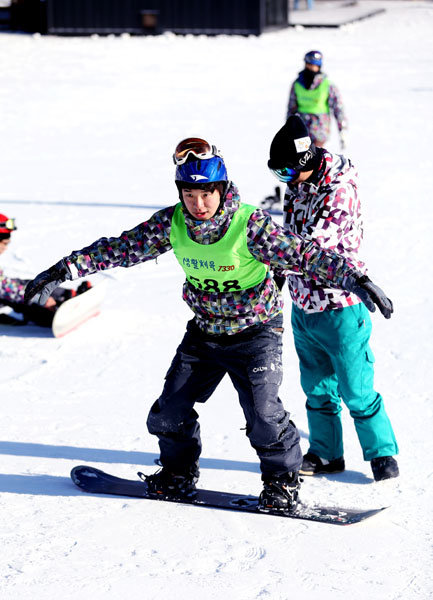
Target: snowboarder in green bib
228, 251
314, 96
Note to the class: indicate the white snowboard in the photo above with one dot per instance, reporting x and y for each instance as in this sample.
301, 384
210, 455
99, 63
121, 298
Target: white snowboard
76, 311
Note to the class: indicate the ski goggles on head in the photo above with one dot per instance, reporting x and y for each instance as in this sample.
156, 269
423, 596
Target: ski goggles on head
199, 148
9, 224
286, 174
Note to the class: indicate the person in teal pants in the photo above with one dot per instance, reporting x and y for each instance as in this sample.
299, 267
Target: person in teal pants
331, 327
337, 362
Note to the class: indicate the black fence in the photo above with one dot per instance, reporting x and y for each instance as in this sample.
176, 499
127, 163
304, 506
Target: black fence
144, 17
223, 16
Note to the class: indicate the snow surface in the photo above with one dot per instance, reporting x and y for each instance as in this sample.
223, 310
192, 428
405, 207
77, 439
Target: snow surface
87, 129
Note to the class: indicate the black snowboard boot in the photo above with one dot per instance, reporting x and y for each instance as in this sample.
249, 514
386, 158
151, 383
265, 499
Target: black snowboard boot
83, 287
168, 484
280, 492
384, 467
313, 465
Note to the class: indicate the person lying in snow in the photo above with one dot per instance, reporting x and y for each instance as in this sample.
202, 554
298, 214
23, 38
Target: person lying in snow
12, 290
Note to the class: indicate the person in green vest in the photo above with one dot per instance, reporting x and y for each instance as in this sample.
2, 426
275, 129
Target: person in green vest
228, 251
316, 98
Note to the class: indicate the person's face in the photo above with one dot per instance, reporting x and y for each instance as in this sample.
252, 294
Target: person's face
201, 204
4, 245
314, 68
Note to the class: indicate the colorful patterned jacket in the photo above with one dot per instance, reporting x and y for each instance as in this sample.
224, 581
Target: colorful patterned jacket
327, 211
218, 312
319, 126
11, 289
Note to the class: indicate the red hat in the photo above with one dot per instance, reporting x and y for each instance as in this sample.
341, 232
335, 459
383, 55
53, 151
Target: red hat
6, 225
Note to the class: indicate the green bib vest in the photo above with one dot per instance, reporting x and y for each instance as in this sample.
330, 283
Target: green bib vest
225, 266
313, 102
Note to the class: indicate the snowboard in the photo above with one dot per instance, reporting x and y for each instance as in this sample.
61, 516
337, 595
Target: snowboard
77, 310
96, 481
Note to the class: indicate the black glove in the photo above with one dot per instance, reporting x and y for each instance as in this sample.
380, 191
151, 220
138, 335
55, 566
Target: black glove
46, 282
370, 294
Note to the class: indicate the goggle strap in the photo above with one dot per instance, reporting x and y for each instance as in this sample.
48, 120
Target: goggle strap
9, 224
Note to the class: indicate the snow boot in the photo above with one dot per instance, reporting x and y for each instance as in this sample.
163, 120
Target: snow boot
280, 492
384, 467
83, 287
313, 465
170, 485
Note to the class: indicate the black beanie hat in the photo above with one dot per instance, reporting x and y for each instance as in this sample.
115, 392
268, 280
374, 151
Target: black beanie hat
292, 146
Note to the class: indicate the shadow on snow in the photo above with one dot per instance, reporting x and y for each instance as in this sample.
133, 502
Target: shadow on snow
113, 456
25, 331
38, 485
50, 485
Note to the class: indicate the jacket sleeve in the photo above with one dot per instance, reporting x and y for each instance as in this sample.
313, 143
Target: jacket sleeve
269, 243
335, 103
337, 223
11, 289
144, 242
292, 107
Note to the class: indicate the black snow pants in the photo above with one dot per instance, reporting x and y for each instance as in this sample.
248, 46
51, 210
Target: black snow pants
253, 361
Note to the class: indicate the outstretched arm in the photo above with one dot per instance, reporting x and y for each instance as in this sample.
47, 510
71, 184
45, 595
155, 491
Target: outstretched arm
336, 107
272, 245
145, 242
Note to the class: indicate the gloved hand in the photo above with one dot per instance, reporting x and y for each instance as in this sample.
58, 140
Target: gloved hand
369, 293
343, 139
46, 282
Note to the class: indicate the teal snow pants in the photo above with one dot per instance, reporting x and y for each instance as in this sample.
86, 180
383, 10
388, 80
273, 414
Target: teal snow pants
336, 363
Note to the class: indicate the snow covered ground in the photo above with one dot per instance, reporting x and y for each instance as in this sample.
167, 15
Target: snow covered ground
87, 129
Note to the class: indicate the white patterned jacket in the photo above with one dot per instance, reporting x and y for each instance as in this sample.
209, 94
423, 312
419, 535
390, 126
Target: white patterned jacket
327, 211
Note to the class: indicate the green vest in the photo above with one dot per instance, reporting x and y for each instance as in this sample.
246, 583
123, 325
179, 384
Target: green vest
225, 266
313, 102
